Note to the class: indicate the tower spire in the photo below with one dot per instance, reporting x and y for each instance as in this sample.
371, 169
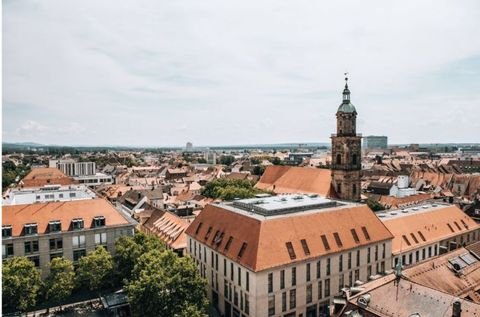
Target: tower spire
346, 91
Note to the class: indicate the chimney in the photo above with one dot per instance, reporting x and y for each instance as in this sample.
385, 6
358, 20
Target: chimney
457, 309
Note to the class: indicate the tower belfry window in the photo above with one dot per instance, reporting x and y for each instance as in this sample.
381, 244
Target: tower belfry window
339, 159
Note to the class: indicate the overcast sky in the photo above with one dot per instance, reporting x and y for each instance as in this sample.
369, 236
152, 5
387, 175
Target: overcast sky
161, 73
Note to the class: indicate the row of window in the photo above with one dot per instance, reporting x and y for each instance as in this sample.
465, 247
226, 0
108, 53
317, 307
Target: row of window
52, 196
54, 243
53, 226
308, 270
227, 270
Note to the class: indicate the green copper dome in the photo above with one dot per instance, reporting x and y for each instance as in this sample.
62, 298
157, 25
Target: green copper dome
346, 105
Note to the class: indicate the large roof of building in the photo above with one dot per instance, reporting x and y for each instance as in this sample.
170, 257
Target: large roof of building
439, 273
168, 227
260, 242
45, 176
42, 213
425, 224
288, 179
389, 297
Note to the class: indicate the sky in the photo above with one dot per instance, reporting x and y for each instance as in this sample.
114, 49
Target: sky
215, 72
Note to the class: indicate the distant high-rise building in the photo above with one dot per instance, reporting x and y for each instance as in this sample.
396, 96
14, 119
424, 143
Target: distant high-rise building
189, 147
74, 168
346, 151
375, 142
211, 157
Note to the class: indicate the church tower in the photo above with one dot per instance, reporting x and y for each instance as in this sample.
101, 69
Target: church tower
346, 151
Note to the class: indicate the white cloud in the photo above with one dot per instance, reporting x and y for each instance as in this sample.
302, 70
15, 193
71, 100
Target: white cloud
162, 73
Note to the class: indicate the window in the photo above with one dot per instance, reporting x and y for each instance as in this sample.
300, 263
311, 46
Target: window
376, 252
309, 293
365, 233
327, 287
216, 261
31, 246
357, 275
271, 305
308, 272
417, 256
242, 250
319, 289
406, 240
198, 228
410, 258
54, 226
349, 263
6, 231
457, 225
30, 229
270, 282
318, 269
77, 254
369, 271
383, 251
291, 251
328, 266
337, 239
354, 189
224, 267
208, 232
7, 250
56, 244
101, 238
355, 236
368, 255
239, 271
78, 241
99, 221
354, 159
339, 159
325, 242
450, 227
341, 282
284, 301
358, 257
55, 255
247, 279
247, 305
77, 224
306, 250
282, 279
231, 272
413, 237
35, 260
229, 242
293, 298
350, 278
294, 276
72, 195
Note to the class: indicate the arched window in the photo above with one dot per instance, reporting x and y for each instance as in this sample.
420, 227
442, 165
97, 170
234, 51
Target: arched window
354, 159
339, 159
339, 188
354, 189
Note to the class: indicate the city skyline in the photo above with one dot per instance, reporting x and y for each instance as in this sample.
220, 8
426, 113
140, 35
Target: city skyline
162, 74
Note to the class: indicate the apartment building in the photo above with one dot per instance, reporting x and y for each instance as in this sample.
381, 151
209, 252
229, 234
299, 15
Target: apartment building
74, 168
428, 230
44, 230
46, 193
286, 255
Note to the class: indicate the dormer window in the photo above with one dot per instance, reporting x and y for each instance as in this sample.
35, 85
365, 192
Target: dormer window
77, 224
31, 228
99, 221
55, 226
6, 231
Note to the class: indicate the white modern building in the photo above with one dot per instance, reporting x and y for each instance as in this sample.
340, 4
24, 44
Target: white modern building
47, 193
74, 168
286, 255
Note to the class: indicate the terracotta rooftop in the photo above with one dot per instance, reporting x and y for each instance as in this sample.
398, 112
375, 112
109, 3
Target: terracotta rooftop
427, 225
438, 274
39, 177
273, 241
288, 179
168, 227
42, 213
389, 297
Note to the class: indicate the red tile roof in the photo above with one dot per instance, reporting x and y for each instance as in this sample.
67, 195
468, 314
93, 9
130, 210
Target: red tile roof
39, 177
287, 179
433, 225
266, 239
42, 213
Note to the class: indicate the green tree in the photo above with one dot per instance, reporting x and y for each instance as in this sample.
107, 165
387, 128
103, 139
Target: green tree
258, 170
164, 285
61, 280
228, 189
227, 160
129, 249
276, 161
375, 205
95, 269
21, 283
